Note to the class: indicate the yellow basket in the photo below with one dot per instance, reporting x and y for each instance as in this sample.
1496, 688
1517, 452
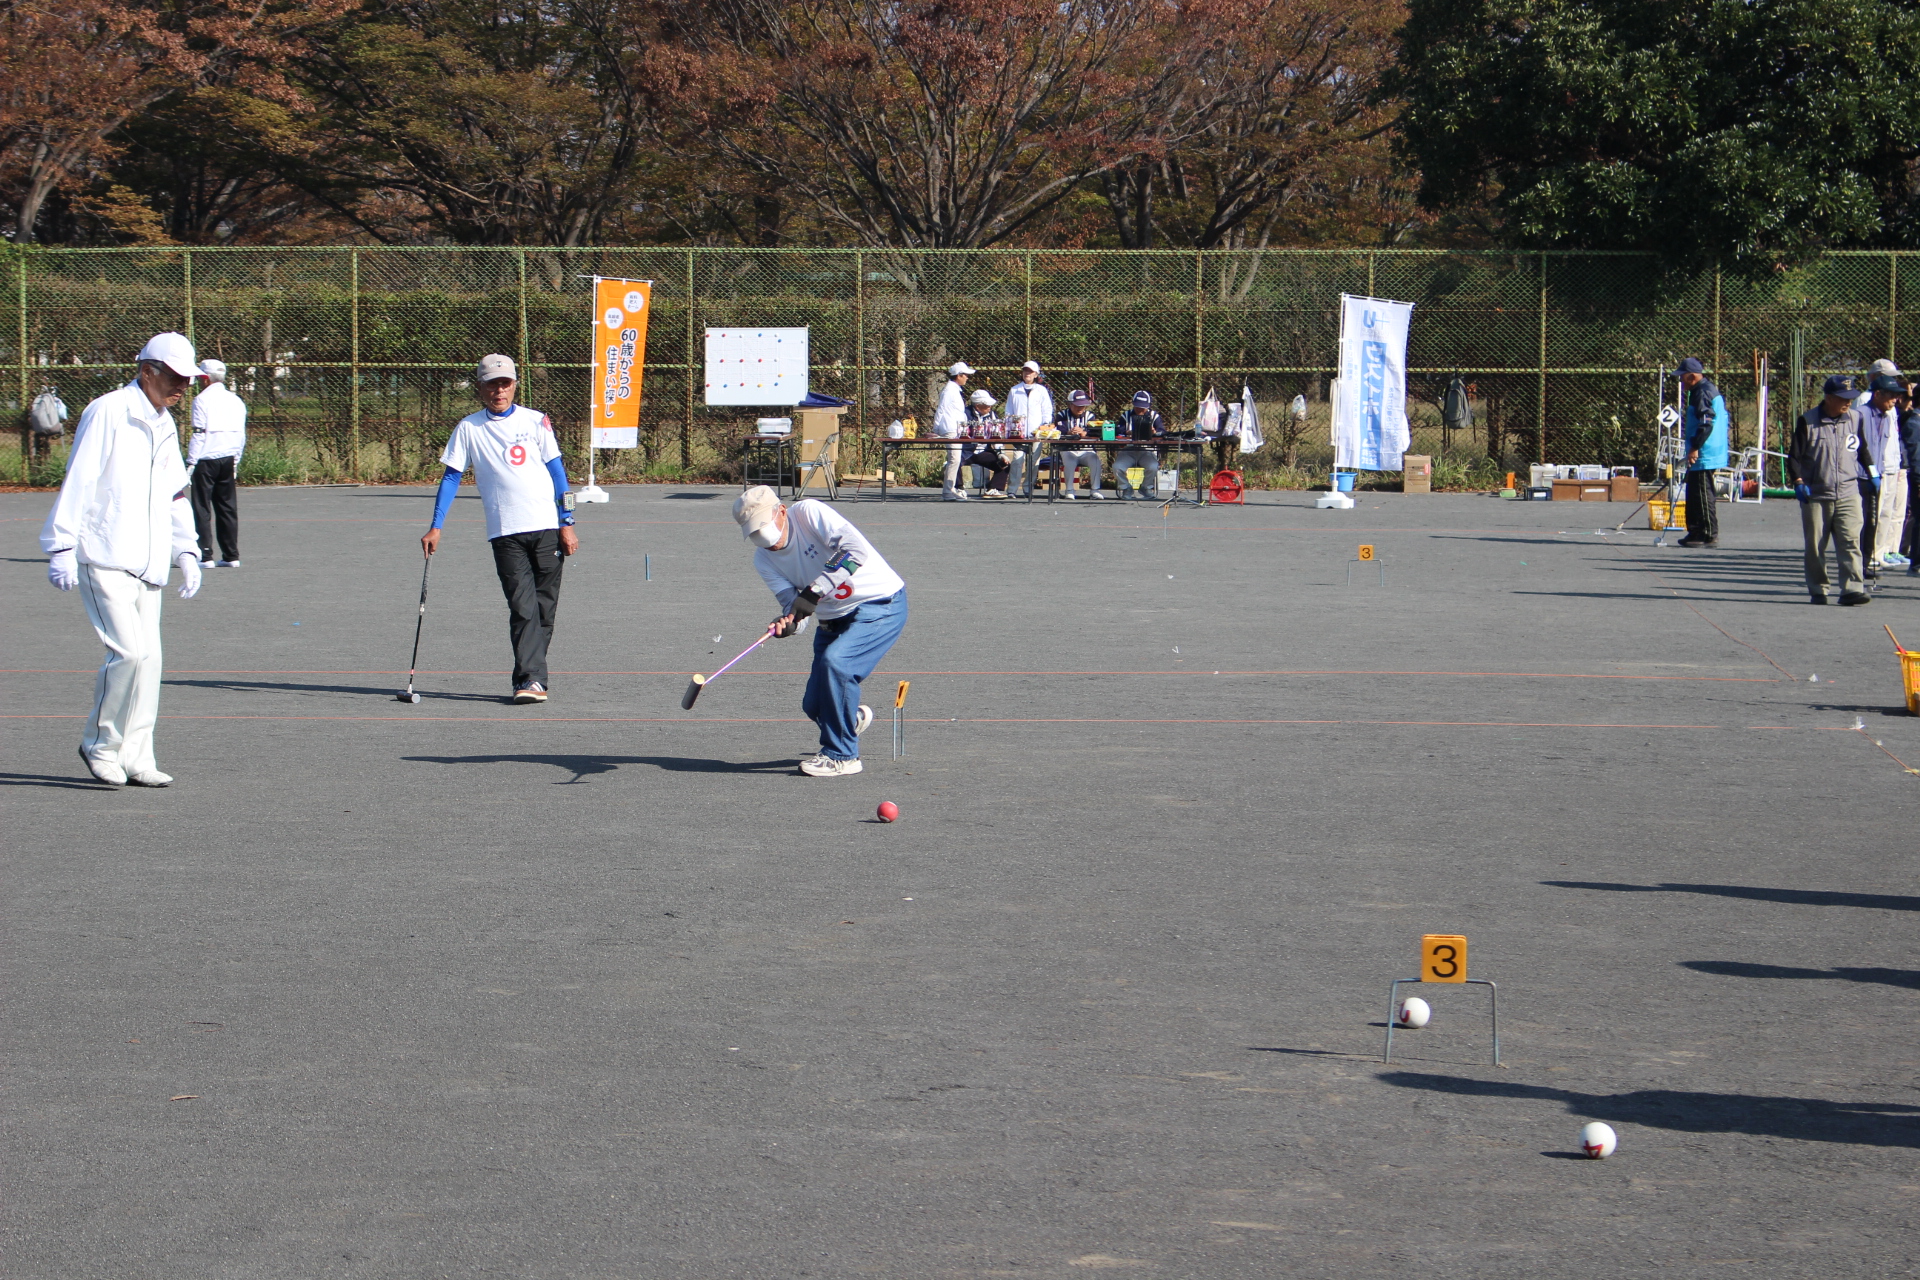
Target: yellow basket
1662, 514
1136, 476
1910, 674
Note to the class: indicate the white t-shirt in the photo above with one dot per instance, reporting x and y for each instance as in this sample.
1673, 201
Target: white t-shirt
819, 539
509, 456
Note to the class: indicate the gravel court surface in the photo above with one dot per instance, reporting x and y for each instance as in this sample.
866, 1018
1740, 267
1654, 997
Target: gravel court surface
613, 992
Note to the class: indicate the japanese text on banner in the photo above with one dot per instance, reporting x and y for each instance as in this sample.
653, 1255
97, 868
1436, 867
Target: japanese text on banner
620, 309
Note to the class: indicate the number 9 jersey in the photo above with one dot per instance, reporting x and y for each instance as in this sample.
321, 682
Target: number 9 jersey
509, 455
826, 552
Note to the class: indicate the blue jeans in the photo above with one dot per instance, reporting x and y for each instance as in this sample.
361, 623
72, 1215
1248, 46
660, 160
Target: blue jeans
845, 652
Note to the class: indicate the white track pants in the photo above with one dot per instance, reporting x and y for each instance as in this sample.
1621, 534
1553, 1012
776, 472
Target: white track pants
947, 487
125, 613
1893, 517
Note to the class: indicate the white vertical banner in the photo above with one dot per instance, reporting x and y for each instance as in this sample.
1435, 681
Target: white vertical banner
1370, 399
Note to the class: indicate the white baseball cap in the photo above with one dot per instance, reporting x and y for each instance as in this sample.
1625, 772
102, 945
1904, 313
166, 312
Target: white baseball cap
495, 366
983, 397
215, 369
172, 350
755, 511
1031, 365
958, 367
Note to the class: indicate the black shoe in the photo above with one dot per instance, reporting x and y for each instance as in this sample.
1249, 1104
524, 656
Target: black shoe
1818, 600
1856, 597
1691, 541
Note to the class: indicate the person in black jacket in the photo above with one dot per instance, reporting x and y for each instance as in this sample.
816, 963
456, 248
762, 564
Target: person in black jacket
1139, 423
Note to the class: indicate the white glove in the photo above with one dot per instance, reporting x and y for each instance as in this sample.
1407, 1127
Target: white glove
63, 570
189, 574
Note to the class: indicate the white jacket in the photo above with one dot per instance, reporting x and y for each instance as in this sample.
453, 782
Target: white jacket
219, 425
951, 416
124, 502
1032, 402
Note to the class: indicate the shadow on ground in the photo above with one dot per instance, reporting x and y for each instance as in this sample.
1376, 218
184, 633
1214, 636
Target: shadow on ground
585, 766
1872, 1124
257, 686
1908, 978
1791, 897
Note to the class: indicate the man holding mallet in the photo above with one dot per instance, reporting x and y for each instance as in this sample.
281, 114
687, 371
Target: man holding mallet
818, 565
529, 507
122, 520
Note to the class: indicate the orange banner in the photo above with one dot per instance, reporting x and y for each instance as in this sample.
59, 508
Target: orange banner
620, 310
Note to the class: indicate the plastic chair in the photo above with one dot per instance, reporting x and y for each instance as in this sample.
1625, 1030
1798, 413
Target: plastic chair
823, 460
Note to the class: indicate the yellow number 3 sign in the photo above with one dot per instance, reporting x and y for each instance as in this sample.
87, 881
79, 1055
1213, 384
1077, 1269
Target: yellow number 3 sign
1443, 957
1366, 551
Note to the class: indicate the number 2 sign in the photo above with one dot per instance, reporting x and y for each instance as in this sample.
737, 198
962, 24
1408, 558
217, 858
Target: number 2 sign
1443, 957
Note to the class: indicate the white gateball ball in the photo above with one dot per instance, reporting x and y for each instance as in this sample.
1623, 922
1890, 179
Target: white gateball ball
1414, 1013
1597, 1141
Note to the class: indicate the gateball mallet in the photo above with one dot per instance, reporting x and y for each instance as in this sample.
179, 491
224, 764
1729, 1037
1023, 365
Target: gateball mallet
409, 695
695, 685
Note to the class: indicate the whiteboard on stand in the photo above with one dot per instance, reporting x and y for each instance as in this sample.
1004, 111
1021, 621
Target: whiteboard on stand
756, 366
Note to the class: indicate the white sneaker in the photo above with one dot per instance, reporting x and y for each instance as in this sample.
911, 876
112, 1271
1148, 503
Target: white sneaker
1099, 495
105, 770
1067, 496
862, 719
953, 497
993, 493
828, 767
150, 778
228, 564
206, 564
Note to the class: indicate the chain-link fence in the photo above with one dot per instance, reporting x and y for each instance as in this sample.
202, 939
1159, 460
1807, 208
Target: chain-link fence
355, 362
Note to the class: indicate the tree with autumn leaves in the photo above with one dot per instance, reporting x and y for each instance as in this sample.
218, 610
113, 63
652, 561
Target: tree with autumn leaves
955, 123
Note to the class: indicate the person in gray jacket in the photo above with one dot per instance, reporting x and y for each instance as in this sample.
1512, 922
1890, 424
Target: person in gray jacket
1826, 458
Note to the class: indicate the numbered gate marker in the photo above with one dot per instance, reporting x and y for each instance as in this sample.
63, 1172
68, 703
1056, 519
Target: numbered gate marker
1443, 957
1366, 551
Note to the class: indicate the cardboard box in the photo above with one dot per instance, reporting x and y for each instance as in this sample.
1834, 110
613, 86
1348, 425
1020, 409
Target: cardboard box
1566, 491
813, 426
1625, 489
1418, 474
1596, 491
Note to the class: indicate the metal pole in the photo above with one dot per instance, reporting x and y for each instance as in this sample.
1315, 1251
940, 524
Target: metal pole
686, 426
20, 267
1028, 348
186, 284
1540, 409
520, 260
353, 410
1893, 302
1716, 324
860, 353
1199, 325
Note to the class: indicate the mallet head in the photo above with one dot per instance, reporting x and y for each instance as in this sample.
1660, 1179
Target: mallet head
406, 695
693, 691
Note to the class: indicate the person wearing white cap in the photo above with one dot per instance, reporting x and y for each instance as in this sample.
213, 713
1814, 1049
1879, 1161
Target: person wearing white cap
121, 520
1029, 407
949, 419
818, 565
529, 508
213, 456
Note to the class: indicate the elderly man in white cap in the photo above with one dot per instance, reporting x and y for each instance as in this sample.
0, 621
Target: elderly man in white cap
818, 565
121, 520
213, 456
949, 422
529, 509
1029, 408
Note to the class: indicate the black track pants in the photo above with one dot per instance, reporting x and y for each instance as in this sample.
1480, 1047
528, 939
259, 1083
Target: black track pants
529, 565
216, 506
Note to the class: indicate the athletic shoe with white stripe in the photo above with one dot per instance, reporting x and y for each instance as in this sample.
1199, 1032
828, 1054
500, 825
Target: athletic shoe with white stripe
828, 767
533, 691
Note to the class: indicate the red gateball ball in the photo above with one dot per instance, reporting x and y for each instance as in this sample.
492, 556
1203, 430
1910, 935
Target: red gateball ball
888, 811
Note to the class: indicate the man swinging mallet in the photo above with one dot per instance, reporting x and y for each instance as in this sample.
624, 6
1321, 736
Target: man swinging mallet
818, 565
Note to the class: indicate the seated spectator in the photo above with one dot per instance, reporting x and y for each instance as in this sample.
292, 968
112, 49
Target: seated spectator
986, 457
1076, 423
1139, 423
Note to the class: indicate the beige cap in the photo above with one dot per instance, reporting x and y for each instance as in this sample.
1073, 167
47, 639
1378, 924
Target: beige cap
755, 510
495, 366
1883, 369
215, 370
172, 350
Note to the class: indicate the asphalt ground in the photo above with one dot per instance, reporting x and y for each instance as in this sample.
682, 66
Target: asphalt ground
605, 989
